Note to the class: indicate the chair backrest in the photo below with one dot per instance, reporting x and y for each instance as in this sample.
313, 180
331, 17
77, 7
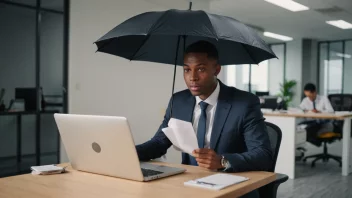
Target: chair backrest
275, 136
341, 102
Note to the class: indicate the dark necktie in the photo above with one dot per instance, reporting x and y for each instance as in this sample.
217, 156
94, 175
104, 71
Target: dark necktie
202, 124
314, 104
201, 131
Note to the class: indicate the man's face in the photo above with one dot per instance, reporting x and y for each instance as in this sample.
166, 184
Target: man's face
311, 95
200, 74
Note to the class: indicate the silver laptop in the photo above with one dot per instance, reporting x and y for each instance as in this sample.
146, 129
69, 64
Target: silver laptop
104, 145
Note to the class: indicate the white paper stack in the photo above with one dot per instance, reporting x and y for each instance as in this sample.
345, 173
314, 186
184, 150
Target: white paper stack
47, 170
217, 181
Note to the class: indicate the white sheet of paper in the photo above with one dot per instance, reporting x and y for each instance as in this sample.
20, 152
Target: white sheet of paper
170, 134
182, 135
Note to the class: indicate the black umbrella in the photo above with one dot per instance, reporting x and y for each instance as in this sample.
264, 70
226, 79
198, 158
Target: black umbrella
162, 36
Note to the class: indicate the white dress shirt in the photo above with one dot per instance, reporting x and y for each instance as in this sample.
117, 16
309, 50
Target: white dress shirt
212, 101
322, 104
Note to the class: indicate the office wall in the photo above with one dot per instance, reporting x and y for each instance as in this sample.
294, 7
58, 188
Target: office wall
17, 69
276, 70
104, 84
294, 67
309, 62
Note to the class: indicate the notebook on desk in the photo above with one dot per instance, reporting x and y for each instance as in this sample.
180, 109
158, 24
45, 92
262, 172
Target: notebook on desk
216, 181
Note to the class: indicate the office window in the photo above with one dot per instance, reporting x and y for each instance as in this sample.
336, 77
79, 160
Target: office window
259, 77
33, 79
347, 68
263, 77
335, 67
238, 76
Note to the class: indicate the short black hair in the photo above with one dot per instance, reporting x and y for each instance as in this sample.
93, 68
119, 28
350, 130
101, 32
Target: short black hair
203, 47
310, 87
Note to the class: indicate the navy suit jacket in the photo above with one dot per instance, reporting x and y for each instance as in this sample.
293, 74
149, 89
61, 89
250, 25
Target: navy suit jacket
239, 132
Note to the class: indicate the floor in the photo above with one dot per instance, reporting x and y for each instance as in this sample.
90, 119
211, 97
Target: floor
322, 181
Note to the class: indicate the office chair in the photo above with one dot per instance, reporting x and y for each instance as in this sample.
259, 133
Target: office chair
326, 138
339, 102
275, 135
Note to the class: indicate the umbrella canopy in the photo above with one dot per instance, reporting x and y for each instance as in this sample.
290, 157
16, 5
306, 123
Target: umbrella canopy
162, 37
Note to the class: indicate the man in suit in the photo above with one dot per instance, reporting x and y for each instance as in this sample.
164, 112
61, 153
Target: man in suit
317, 104
314, 102
228, 122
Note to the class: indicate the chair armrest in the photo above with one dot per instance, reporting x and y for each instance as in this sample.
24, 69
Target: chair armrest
270, 190
280, 178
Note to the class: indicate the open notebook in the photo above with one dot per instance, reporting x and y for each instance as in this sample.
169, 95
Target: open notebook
217, 181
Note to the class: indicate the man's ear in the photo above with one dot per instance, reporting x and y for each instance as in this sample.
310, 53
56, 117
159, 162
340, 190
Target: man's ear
217, 69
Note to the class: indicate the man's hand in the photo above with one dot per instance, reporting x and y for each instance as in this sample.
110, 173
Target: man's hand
315, 111
207, 158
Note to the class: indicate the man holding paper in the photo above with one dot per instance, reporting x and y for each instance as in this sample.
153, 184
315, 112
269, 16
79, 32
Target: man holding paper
227, 122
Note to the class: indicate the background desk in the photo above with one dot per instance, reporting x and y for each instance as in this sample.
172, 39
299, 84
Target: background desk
288, 123
86, 185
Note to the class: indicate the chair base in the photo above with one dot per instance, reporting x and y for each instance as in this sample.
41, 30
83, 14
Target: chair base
324, 156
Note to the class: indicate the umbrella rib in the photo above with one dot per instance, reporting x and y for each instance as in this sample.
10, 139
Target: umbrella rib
145, 40
249, 54
214, 32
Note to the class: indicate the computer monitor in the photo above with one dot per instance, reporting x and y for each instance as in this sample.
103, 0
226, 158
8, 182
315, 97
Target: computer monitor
261, 93
269, 103
30, 97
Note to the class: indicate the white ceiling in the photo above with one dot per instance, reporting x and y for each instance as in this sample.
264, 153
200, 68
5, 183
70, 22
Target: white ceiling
266, 16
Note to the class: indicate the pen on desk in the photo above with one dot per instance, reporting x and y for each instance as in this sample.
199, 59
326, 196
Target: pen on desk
206, 183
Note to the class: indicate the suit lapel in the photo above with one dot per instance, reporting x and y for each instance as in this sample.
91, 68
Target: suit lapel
187, 109
221, 113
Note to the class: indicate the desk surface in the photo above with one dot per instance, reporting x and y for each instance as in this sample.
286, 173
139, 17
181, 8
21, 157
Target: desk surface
81, 184
333, 116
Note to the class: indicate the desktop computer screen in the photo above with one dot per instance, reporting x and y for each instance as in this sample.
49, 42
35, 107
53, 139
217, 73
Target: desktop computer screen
30, 97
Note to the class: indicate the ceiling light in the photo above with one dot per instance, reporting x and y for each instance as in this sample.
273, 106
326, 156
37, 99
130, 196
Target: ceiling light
277, 36
289, 5
340, 24
343, 55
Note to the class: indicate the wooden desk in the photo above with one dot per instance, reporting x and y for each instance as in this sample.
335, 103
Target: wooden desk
86, 185
288, 123
331, 116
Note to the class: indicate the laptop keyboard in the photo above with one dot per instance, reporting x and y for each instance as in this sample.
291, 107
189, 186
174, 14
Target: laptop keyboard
149, 172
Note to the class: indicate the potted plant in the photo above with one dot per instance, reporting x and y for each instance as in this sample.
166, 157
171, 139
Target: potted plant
286, 92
